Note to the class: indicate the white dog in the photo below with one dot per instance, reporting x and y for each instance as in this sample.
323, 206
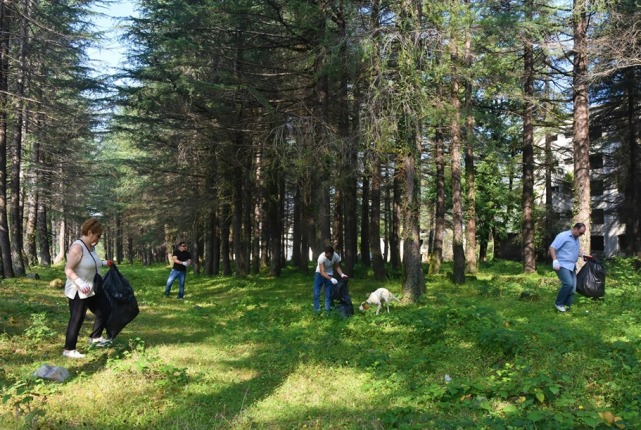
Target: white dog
377, 298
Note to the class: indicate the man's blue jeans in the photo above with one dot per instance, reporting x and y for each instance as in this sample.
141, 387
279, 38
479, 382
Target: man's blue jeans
319, 282
568, 287
181, 282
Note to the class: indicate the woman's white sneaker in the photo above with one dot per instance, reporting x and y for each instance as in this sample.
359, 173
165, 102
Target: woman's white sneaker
72, 353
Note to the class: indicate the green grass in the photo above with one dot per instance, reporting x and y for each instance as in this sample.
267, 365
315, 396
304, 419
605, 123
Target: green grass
241, 354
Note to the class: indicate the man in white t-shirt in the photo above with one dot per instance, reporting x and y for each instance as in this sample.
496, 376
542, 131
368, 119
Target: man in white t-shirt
327, 261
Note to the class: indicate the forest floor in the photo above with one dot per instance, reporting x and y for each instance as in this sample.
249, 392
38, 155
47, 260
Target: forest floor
252, 354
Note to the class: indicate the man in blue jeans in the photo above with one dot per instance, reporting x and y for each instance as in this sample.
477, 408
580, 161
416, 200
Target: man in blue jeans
565, 250
181, 259
324, 276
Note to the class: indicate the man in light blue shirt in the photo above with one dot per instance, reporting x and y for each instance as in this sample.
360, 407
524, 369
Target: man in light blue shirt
565, 250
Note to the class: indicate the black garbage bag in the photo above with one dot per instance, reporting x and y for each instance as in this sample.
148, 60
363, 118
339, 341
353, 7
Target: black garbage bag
590, 281
340, 294
119, 297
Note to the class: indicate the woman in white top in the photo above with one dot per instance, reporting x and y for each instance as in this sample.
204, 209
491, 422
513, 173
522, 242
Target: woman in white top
82, 265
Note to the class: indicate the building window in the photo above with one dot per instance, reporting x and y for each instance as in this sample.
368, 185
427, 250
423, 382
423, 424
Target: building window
623, 242
596, 161
595, 132
598, 217
620, 184
596, 187
597, 243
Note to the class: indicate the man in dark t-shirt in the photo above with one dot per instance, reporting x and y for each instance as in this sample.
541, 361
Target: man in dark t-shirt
181, 258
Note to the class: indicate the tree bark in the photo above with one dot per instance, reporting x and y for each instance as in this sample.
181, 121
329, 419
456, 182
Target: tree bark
394, 240
17, 240
366, 260
581, 109
297, 228
457, 196
413, 278
242, 265
32, 193
527, 222
43, 234
5, 245
550, 214
225, 223
273, 216
378, 263
436, 259
471, 264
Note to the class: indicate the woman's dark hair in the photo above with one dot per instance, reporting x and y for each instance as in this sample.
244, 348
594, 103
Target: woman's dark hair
92, 225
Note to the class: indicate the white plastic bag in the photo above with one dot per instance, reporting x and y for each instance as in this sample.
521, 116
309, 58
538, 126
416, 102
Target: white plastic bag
55, 373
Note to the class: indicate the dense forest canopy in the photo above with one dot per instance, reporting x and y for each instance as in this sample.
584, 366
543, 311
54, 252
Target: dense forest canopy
260, 131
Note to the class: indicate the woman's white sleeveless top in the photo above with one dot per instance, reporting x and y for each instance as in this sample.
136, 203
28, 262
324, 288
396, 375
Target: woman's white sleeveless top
86, 270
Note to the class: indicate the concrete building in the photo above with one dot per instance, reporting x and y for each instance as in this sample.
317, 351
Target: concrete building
607, 232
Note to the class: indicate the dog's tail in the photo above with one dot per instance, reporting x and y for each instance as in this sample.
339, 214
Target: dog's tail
393, 297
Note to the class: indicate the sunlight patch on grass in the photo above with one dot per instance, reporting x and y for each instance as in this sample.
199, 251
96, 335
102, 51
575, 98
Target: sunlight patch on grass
228, 365
308, 389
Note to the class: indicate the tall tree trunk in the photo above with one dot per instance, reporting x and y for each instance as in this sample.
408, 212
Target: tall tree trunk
43, 234
350, 221
366, 260
258, 220
320, 228
581, 120
61, 241
120, 254
255, 246
196, 249
247, 221
436, 259
211, 255
225, 222
527, 221
242, 265
550, 215
17, 240
297, 228
307, 236
394, 239
130, 250
5, 246
471, 264
273, 218
457, 197
33, 192
350, 152
413, 278
338, 236
169, 245
378, 263
208, 245
216, 241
